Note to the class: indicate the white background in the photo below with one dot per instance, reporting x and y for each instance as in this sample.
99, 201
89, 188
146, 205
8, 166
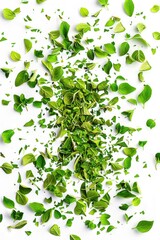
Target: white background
149, 179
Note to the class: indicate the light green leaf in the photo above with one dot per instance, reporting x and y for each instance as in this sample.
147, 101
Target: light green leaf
21, 78
145, 66
74, 237
55, 230
156, 35
15, 56
155, 9
145, 95
125, 88
119, 28
21, 198
46, 92
28, 158
64, 29
84, 12
19, 225
83, 27
124, 48
130, 152
28, 45
8, 203
7, 135
8, 14
128, 7
37, 207
140, 27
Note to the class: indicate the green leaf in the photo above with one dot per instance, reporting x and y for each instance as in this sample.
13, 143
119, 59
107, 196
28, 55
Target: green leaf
119, 28
24, 190
125, 88
130, 152
104, 3
57, 73
46, 92
7, 135
104, 219
83, 27
28, 45
21, 78
140, 27
100, 53
74, 237
140, 40
19, 225
157, 158
125, 194
7, 168
128, 7
8, 14
127, 163
150, 123
29, 123
145, 66
136, 201
15, 56
155, 9
138, 56
46, 216
145, 95
21, 198
144, 226
68, 98
8, 203
110, 48
57, 214
64, 29
40, 1
156, 35
55, 230
28, 158
37, 207
124, 48
84, 12
116, 166
54, 35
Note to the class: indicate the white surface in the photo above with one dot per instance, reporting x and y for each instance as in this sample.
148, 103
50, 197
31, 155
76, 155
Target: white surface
14, 31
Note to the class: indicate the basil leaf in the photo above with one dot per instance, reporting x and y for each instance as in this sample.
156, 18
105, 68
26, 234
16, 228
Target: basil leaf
7, 135
155, 9
15, 56
8, 14
144, 226
46, 216
128, 7
21, 78
46, 92
84, 12
74, 237
124, 48
28, 158
7, 168
57, 73
64, 29
125, 88
138, 56
145, 95
119, 28
28, 45
130, 152
55, 230
8, 203
21, 198
24, 190
19, 225
37, 207
125, 194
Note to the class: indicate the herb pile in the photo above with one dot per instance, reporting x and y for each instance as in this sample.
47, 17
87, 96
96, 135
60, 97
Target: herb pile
82, 98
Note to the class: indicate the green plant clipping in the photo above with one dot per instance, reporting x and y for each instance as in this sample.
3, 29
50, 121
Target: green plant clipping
28, 45
129, 7
8, 14
7, 135
144, 226
84, 12
55, 230
15, 56
145, 95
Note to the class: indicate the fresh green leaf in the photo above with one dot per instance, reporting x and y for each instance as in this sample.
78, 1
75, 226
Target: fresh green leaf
46, 92
130, 152
7, 135
119, 28
7, 168
145, 95
37, 207
125, 88
124, 48
19, 225
21, 78
64, 30
144, 226
15, 56
55, 230
128, 7
8, 14
8, 203
155, 9
150, 123
156, 35
84, 12
28, 158
28, 45
74, 237
21, 198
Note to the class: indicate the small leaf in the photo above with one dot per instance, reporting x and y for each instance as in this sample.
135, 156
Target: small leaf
21, 78
83, 27
19, 225
21, 198
55, 230
74, 237
8, 14
140, 27
28, 45
8, 203
130, 152
37, 207
57, 73
145, 95
46, 216
125, 194
64, 29
124, 48
140, 40
150, 123
7, 135
156, 35
129, 7
125, 88
24, 190
84, 12
155, 9
15, 56
144, 226
138, 56
119, 28
7, 168
28, 158
46, 92
104, 3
